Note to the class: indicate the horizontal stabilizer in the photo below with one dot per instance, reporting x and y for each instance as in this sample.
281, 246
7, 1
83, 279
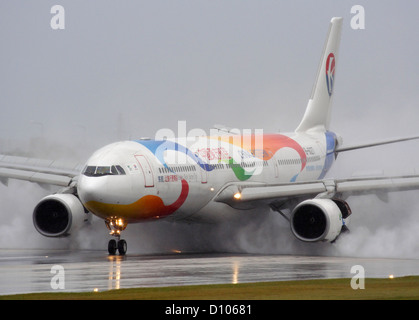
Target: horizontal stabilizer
374, 144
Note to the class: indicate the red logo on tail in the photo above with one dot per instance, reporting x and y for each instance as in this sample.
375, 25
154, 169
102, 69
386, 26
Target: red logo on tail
330, 72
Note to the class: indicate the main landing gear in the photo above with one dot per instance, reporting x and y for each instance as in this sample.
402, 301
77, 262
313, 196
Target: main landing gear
116, 225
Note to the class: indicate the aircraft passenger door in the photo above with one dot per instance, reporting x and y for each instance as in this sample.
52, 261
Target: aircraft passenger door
146, 169
276, 167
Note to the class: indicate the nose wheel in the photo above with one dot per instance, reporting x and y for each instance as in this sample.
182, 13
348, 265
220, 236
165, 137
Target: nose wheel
115, 226
120, 245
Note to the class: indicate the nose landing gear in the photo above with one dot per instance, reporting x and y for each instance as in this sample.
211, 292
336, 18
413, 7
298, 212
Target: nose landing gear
116, 225
113, 245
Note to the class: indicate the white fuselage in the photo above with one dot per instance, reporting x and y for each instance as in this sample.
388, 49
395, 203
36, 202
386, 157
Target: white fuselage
151, 179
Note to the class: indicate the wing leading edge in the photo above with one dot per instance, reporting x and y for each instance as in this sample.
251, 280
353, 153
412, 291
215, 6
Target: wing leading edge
234, 194
59, 173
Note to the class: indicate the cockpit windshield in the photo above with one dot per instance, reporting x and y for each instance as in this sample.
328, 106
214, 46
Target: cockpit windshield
99, 171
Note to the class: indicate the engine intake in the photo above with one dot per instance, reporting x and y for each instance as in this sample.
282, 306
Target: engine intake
59, 214
319, 219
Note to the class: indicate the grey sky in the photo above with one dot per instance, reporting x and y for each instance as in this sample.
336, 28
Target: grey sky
125, 69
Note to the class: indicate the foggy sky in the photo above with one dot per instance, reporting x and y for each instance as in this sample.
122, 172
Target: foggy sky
125, 69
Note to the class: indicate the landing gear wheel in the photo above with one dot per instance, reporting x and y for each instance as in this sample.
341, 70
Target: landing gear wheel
116, 226
122, 247
112, 247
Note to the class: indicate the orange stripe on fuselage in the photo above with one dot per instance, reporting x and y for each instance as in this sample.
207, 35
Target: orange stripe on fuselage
148, 207
271, 144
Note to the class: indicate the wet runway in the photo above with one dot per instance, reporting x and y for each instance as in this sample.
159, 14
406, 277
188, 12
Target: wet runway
24, 271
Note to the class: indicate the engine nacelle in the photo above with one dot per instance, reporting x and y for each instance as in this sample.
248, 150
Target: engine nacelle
319, 219
58, 214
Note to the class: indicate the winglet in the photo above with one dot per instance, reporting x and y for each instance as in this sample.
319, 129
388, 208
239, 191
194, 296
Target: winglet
317, 114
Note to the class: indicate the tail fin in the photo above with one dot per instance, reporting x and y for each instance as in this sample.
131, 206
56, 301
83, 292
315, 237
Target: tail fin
317, 115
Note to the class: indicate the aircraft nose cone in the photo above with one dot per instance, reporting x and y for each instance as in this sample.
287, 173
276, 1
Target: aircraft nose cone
91, 189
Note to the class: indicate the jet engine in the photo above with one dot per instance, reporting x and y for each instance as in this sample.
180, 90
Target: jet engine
319, 219
59, 214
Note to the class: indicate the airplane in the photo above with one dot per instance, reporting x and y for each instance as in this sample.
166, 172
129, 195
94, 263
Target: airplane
212, 178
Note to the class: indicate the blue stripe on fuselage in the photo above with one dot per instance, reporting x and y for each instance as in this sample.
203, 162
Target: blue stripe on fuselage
158, 147
330, 152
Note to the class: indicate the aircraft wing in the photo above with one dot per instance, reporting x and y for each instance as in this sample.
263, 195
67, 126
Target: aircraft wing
59, 173
237, 194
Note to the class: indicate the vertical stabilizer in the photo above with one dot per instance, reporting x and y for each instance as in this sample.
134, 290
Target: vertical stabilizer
317, 115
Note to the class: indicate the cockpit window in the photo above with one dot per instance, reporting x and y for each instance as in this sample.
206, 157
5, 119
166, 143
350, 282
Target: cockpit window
114, 171
89, 171
103, 171
93, 171
120, 170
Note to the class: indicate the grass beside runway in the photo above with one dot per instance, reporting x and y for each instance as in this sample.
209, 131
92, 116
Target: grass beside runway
402, 288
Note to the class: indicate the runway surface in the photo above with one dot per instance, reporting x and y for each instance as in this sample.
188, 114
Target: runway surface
25, 271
